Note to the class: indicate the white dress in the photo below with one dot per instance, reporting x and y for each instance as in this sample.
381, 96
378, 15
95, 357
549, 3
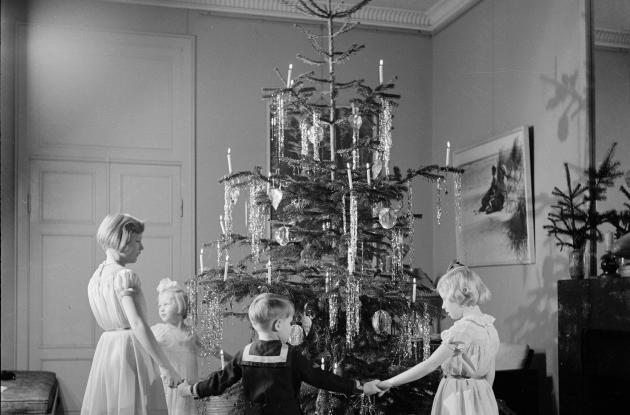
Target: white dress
464, 389
181, 347
124, 379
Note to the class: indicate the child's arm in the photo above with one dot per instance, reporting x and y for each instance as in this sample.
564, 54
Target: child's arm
146, 338
216, 383
323, 379
439, 356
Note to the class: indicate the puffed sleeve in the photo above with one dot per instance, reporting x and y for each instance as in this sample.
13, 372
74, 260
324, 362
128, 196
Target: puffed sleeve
126, 282
456, 336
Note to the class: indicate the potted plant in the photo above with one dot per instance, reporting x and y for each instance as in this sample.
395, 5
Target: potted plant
572, 221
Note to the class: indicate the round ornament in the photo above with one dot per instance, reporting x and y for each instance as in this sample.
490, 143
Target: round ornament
281, 235
296, 336
382, 322
356, 121
307, 323
275, 195
387, 218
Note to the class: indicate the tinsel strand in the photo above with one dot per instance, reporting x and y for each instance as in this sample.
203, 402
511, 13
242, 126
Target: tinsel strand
385, 133
352, 246
457, 180
438, 207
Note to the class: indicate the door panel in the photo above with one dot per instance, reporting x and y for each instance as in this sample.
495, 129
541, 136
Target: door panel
153, 194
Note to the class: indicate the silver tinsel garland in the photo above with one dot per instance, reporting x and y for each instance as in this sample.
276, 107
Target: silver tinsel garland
355, 121
256, 220
457, 179
438, 198
385, 132
353, 309
304, 137
316, 135
352, 246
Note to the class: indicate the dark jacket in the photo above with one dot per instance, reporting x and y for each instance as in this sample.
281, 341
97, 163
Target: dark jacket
272, 373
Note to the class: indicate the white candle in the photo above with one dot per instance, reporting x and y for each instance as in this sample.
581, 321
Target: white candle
368, 174
227, 266
289, 75
269, 272
413, 293
201, 261
222, 225
380, 71
322, 363
229, 158
222, 360
349, 170
448, 153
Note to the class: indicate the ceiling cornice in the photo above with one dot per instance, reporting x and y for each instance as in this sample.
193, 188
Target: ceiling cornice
607, 38
443, 12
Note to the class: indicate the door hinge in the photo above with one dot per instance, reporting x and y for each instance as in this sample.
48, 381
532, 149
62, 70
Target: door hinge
181, 208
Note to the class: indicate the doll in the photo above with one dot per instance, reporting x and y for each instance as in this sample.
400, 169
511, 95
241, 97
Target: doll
178, 341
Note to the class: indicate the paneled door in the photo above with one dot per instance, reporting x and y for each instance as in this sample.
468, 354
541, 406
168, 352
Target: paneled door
68, 201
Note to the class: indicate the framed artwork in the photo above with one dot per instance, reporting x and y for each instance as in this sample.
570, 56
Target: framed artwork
497, 224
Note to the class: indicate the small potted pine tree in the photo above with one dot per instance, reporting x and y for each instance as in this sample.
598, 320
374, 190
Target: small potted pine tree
572, 222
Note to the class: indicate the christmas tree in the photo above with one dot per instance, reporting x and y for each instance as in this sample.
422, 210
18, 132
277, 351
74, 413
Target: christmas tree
331, 227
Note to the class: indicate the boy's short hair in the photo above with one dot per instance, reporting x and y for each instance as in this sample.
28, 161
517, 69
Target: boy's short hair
116, 230
463, 286
267, 308
177, 293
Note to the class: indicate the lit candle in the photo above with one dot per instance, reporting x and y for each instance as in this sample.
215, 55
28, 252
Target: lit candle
448, 153
322, 363
227, 266
229, 158
222, 225
380, 71
269, 272
349, 170
413, 293
335, 367
368, 174
222, 360
289, 75
201, 261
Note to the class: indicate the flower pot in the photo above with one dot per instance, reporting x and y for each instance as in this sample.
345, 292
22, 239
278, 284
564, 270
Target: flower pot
576, 264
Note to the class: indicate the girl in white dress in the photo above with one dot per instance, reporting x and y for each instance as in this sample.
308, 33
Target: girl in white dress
124, 378
467, 353
179, 343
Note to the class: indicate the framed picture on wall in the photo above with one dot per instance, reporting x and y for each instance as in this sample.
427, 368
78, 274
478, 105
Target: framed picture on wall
497, 223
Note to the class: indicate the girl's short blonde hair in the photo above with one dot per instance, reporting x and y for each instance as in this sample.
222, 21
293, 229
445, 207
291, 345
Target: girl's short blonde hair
169, 287
267, 308
463, 286
116, 230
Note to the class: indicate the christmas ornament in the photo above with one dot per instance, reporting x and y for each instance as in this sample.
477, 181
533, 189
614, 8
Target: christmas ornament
382, 322
281, 235
275, 195
316, 135
387, 218
296, 336
385, 132
352, 246
307, 323
377, 166
304, 137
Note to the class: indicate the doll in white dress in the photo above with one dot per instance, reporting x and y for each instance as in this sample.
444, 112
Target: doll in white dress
178, 342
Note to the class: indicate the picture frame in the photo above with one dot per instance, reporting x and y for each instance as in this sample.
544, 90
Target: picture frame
497, 222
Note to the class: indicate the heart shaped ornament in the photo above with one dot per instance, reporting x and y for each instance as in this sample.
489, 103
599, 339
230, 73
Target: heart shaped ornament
387, 218
377, 166
275, 195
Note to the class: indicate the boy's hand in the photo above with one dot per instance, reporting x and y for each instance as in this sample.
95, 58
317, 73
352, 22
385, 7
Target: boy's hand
184, 389
370, 387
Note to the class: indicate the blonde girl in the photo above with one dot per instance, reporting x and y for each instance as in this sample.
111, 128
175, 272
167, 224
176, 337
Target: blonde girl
125, 374
468, 350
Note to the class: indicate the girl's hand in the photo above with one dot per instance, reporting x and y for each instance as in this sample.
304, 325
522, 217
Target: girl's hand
171, 378
370, 388
383, 386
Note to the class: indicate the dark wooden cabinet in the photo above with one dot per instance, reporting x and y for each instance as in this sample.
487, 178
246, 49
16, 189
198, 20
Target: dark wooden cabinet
594, 345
